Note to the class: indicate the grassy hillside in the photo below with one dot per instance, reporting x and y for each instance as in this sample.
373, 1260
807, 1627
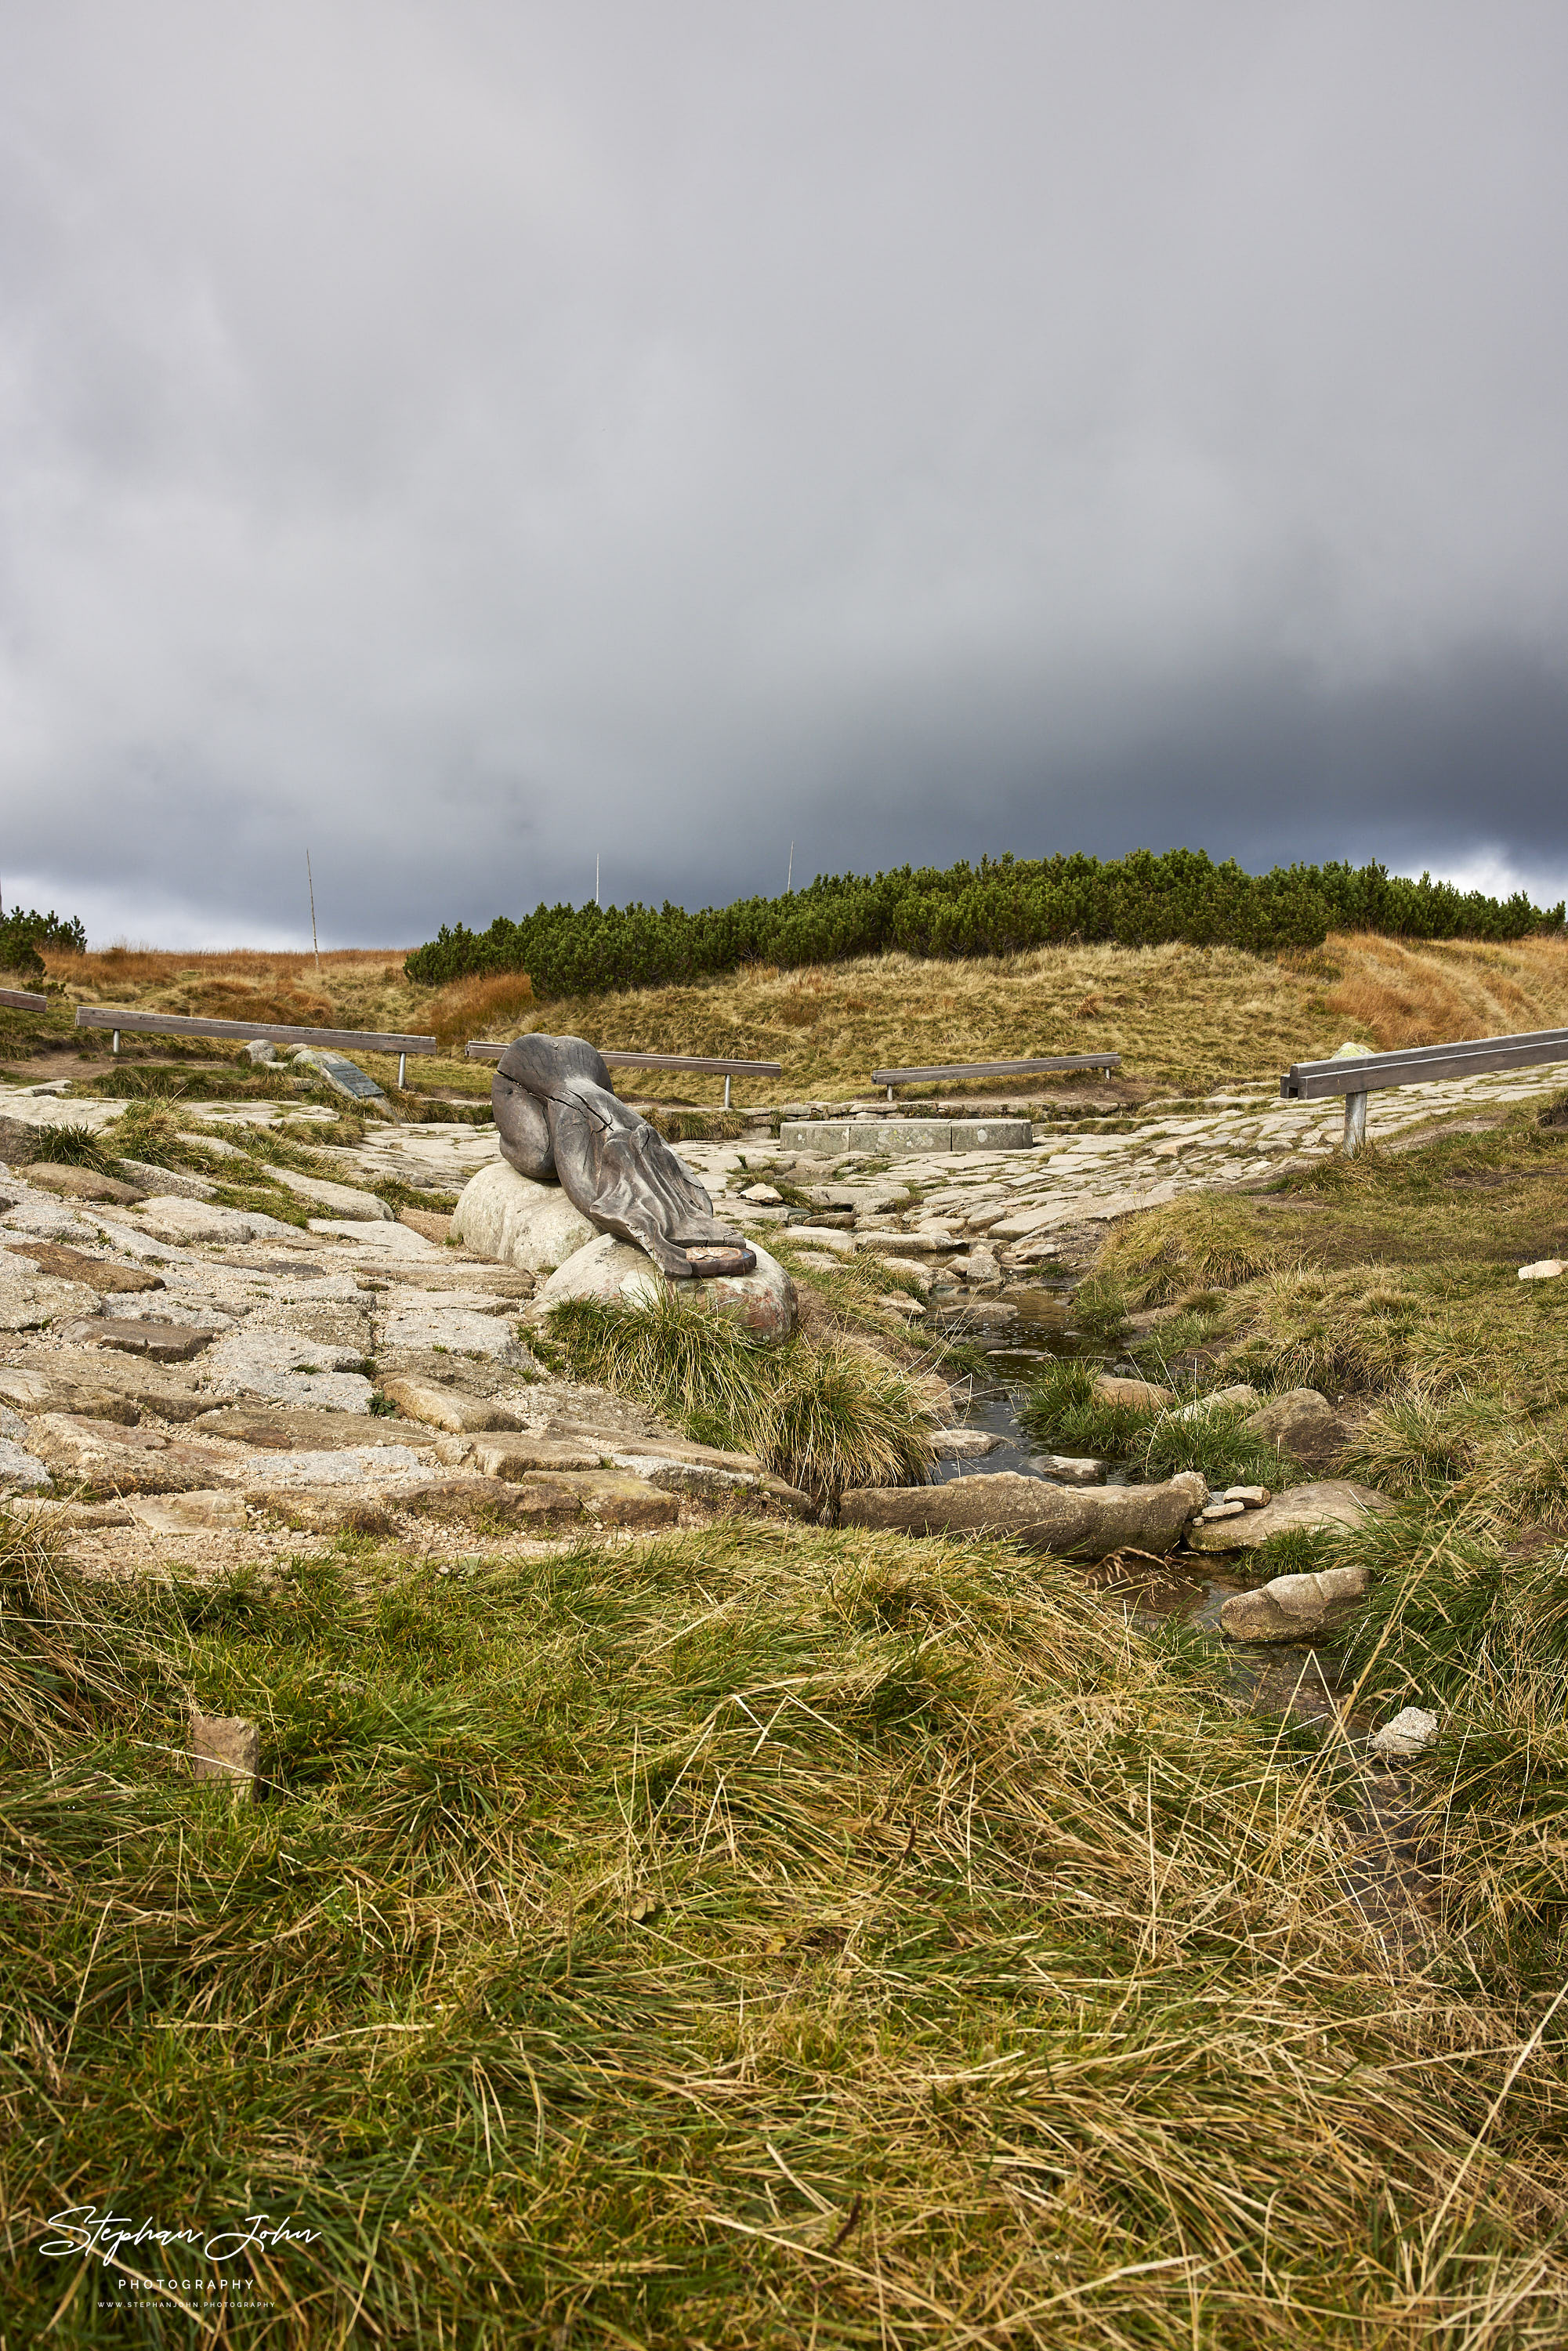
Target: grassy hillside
1183, 1018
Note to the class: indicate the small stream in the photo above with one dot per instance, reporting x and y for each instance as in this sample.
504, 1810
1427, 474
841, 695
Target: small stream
1387, 1878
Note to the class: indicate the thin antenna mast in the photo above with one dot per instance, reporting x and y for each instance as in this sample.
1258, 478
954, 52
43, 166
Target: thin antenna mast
596, 877
314, 942
790, 885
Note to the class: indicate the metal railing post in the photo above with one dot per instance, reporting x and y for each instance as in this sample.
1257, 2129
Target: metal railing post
726, 1093
114, 1046
1354, 1123
401, 1071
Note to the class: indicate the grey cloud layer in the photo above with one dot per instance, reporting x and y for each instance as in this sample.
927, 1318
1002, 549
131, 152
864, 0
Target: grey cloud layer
470, 439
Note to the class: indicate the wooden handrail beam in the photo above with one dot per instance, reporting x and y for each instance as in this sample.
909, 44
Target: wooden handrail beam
174, 1024
954, 1071
1416, 1065
22, 999
1357, 1075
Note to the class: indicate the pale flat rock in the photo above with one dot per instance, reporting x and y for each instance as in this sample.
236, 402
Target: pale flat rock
706, 1482
1294, 1607
1410, 1734
519, 1453
435, 1406
460, 1329
1068, 1468
1238, 1398
169, 1218
516, 1220
31, 1302
964, 1443
166, 1181
826, 1238
296, 1429
339, 1199
108, 1386
1545, 1268
20, 1469
615, 1274
343, 1466
1301, 1423
186, 1514
97, 1452
1142, 1396
392, 1240
1086, 1524
288, 1368
1328, 1502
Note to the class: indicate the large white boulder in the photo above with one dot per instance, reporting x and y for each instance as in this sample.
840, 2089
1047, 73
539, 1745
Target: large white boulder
763, 1303
519, 1221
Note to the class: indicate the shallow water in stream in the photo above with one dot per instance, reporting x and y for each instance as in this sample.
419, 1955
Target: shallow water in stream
1387, 1878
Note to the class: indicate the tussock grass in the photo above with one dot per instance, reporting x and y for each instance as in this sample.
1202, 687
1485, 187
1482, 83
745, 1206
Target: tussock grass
758, 1938
1062, 1412
823, 1413
1188, 1247
64, 1146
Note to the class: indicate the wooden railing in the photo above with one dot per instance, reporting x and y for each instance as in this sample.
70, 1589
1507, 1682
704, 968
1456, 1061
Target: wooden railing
122, 1018
956, 1070
22, 999
1357, 1076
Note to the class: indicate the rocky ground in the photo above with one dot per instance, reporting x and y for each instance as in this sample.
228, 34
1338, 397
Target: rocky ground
174, 1372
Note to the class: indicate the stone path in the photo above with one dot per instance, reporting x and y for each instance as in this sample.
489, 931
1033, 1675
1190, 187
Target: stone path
1017, 1205
173, 1370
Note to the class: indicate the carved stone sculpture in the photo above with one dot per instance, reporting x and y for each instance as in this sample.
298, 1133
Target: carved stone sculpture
556, 1115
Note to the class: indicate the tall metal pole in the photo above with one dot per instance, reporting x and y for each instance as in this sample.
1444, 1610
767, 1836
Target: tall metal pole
314, 942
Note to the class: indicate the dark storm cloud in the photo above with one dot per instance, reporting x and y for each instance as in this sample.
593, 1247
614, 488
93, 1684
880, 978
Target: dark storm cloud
464, 441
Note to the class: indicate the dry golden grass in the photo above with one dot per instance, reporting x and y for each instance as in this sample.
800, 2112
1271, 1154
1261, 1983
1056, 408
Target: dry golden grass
1402, 995
495, 1007
1184, 1018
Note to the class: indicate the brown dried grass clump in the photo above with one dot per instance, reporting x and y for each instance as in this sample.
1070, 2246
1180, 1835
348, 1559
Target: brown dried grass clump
493, 1006
1393, 993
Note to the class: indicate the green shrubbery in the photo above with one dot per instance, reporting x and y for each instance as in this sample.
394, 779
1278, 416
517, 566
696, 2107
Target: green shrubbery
999, 907
22, 935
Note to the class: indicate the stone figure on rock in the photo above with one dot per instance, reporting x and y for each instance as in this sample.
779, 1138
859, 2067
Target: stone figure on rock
557, 1117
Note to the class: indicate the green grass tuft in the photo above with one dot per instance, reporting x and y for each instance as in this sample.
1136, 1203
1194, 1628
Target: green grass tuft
824, 1416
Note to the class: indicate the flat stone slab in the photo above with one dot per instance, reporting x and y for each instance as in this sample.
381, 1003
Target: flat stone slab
1086, 1524
902, 1138
1328, 1502
343, 1466
169, 1218
186, 1514
441, 1408
339, 1199
32, 1302
107, 1386
291, 1429
460, 1329
289, 1369
79, 1182
101, 1453
64, 1264
1301, 1424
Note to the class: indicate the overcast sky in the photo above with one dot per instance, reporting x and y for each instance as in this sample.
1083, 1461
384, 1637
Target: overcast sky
464, 438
